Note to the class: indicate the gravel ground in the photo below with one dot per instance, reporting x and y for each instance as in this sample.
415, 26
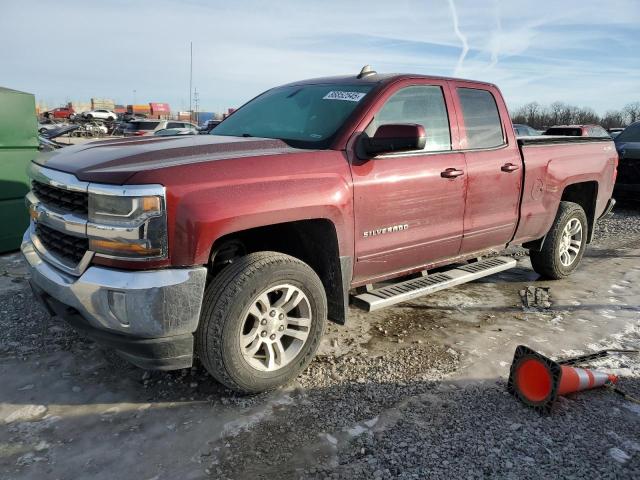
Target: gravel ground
619, 228
395, 394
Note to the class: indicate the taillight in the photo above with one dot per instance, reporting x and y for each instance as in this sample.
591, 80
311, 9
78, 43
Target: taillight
138, 133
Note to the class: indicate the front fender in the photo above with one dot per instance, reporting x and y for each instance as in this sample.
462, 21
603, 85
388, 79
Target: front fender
223, 197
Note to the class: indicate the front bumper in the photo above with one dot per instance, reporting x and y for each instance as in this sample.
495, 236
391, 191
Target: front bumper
147, 316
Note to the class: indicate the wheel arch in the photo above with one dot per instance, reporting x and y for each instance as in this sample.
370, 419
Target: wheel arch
314, 241
584, 194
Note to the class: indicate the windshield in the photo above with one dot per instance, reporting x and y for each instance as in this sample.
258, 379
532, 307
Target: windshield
630, 134
305, 116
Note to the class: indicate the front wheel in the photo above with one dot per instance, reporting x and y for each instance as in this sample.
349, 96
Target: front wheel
262, 320
564, 245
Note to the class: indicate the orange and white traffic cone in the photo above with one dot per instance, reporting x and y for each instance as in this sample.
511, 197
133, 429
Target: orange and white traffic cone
537, 380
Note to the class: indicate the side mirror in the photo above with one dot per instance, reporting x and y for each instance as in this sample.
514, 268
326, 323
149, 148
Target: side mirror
400, 137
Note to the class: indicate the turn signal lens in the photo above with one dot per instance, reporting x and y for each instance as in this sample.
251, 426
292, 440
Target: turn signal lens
123, 249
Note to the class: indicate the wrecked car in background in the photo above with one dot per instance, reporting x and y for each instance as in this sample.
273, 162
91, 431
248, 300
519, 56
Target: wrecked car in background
578, 131
628, 146
239, 245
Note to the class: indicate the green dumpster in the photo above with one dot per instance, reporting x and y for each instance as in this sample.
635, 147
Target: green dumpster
18, 146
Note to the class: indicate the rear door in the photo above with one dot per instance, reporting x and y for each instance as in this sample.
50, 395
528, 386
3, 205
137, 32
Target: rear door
494, 167
408, 209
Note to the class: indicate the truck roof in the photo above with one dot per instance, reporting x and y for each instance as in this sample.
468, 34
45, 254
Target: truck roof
378, 78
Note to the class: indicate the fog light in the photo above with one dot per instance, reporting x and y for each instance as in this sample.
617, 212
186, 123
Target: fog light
118, 306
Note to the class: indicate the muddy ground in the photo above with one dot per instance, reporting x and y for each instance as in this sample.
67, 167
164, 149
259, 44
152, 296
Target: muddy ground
415, 391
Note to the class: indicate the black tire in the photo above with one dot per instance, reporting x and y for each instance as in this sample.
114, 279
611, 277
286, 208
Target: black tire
225, 302
547, 261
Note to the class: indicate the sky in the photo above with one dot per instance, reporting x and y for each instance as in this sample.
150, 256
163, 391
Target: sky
582, 52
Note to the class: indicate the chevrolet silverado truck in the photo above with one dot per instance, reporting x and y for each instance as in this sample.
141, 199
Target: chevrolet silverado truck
237, 247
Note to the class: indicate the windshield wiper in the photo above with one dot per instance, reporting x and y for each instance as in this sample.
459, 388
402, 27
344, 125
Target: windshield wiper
246, 135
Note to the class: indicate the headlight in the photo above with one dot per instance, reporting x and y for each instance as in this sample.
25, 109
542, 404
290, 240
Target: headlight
109, 209
127, 226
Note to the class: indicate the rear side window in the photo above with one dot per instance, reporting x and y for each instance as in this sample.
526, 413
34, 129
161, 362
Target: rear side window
423, 105
175, 125
135, 126
481, 118
564, 131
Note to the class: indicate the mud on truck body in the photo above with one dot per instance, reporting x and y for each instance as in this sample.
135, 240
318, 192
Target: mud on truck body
236, 247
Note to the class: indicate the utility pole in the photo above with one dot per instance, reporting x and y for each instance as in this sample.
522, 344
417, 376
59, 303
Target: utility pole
196, 99
190, 78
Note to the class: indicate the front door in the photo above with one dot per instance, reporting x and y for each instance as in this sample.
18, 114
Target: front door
409, 206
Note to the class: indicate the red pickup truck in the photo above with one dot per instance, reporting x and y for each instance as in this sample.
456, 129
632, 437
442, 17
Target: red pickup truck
236, 247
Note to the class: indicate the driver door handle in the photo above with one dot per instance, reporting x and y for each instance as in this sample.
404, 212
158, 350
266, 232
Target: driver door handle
451, 173
509, 167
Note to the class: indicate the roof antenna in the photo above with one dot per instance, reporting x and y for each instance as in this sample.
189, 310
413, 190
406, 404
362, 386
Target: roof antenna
366, 71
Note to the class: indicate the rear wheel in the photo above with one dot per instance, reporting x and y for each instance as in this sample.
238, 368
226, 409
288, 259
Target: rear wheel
564, 245
262, 320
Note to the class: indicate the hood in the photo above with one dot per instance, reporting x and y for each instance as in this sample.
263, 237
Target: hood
115, 161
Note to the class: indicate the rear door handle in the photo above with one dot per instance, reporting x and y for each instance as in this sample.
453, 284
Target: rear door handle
451, 173
509, 167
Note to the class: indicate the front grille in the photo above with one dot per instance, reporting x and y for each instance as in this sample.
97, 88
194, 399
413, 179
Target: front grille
66, 200
62, 245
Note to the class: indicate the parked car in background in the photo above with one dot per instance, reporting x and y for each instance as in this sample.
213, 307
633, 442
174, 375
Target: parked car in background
56, 130
628, 147
525, 130
43, 128
61, 112
128, 116
138, 128
614, 132
208, 126
577, 131
172, 132
100, 115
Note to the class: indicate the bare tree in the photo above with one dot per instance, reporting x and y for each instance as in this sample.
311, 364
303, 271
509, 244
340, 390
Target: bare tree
613, 119
560, 113
632, 111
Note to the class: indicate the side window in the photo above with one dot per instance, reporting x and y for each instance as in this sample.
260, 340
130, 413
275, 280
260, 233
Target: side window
481, 118
174, 125
423, 105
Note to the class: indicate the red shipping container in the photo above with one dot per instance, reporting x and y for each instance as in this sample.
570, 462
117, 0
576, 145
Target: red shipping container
159, 108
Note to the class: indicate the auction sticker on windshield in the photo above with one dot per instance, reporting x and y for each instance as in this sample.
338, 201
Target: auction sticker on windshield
348, 96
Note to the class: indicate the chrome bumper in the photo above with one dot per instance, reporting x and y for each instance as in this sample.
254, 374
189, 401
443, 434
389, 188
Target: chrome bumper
144, 304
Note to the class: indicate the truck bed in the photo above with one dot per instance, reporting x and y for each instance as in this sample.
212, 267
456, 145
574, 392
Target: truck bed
552, 164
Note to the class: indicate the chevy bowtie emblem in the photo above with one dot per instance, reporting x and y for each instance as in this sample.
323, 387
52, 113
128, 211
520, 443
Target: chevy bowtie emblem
34, 213
384, 230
